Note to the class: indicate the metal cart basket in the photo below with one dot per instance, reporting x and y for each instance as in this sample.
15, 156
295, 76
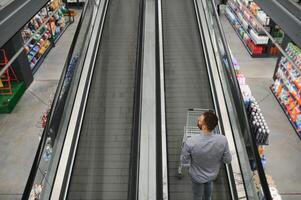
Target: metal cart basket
190, 129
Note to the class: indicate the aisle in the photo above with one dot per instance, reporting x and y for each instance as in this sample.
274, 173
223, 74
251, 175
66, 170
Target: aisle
284, 152
19, 131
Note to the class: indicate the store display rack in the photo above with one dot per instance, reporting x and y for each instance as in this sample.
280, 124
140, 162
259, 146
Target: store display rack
239, 31
241, 15
287, 85
258, 126
286, 113
43, 31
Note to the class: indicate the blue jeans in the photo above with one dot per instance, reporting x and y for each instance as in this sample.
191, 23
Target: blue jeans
202, 191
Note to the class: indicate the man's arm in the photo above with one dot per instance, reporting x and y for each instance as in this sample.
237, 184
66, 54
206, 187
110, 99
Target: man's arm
227, 155
185, 155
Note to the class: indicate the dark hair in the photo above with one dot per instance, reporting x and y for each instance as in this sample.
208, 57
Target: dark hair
210, 120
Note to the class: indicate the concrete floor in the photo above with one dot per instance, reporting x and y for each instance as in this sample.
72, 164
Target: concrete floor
284, 152
20, 130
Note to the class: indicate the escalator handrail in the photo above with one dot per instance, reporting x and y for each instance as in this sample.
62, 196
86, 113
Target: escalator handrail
162, 166
52, 112
135, 138
243, 119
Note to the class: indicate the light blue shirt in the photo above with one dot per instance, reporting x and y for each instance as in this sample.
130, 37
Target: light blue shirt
205, 153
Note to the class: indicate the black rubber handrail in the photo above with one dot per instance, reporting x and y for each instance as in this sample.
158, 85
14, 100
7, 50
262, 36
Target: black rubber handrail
133, 186
241, 111
159, 92
55, 112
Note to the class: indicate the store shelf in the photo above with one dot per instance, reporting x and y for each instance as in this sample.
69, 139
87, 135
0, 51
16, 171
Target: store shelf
291, 94
36, 42
62, 32
259, 32
241, 23
289, 75
244, 43
233, 9
40, 60
246, 8
51, 18
290, 91
30, 59
298, 132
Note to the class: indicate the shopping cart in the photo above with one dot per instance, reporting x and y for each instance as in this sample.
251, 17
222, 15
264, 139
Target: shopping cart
191, 128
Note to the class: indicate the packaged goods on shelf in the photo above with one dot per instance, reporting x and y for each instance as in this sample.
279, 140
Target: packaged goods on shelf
277, 34
287, 85
43, 30
255, 49
259, 39
295, 53
246, 18
260, 14
257, 123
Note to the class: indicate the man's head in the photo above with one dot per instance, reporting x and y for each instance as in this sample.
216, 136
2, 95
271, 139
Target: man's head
207, 121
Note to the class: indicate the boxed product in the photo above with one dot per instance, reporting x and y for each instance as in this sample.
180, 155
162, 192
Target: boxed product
241, 78
260, 39
246, 92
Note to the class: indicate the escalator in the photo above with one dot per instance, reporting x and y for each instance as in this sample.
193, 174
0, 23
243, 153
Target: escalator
101, 167
186, 86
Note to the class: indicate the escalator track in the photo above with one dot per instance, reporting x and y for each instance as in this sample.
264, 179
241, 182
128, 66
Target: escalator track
187, 85
102, 163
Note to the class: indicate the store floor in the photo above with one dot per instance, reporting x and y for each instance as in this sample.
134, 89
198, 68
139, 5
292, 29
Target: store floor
20, 130
284, 152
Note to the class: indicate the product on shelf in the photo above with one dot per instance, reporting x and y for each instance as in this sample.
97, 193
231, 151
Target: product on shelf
43, 29
295, 53
277, 34
260, 14
287, 85
257, 123
247, 19
255, 49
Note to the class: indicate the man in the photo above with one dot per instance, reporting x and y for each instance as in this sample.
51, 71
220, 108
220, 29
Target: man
205, 152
